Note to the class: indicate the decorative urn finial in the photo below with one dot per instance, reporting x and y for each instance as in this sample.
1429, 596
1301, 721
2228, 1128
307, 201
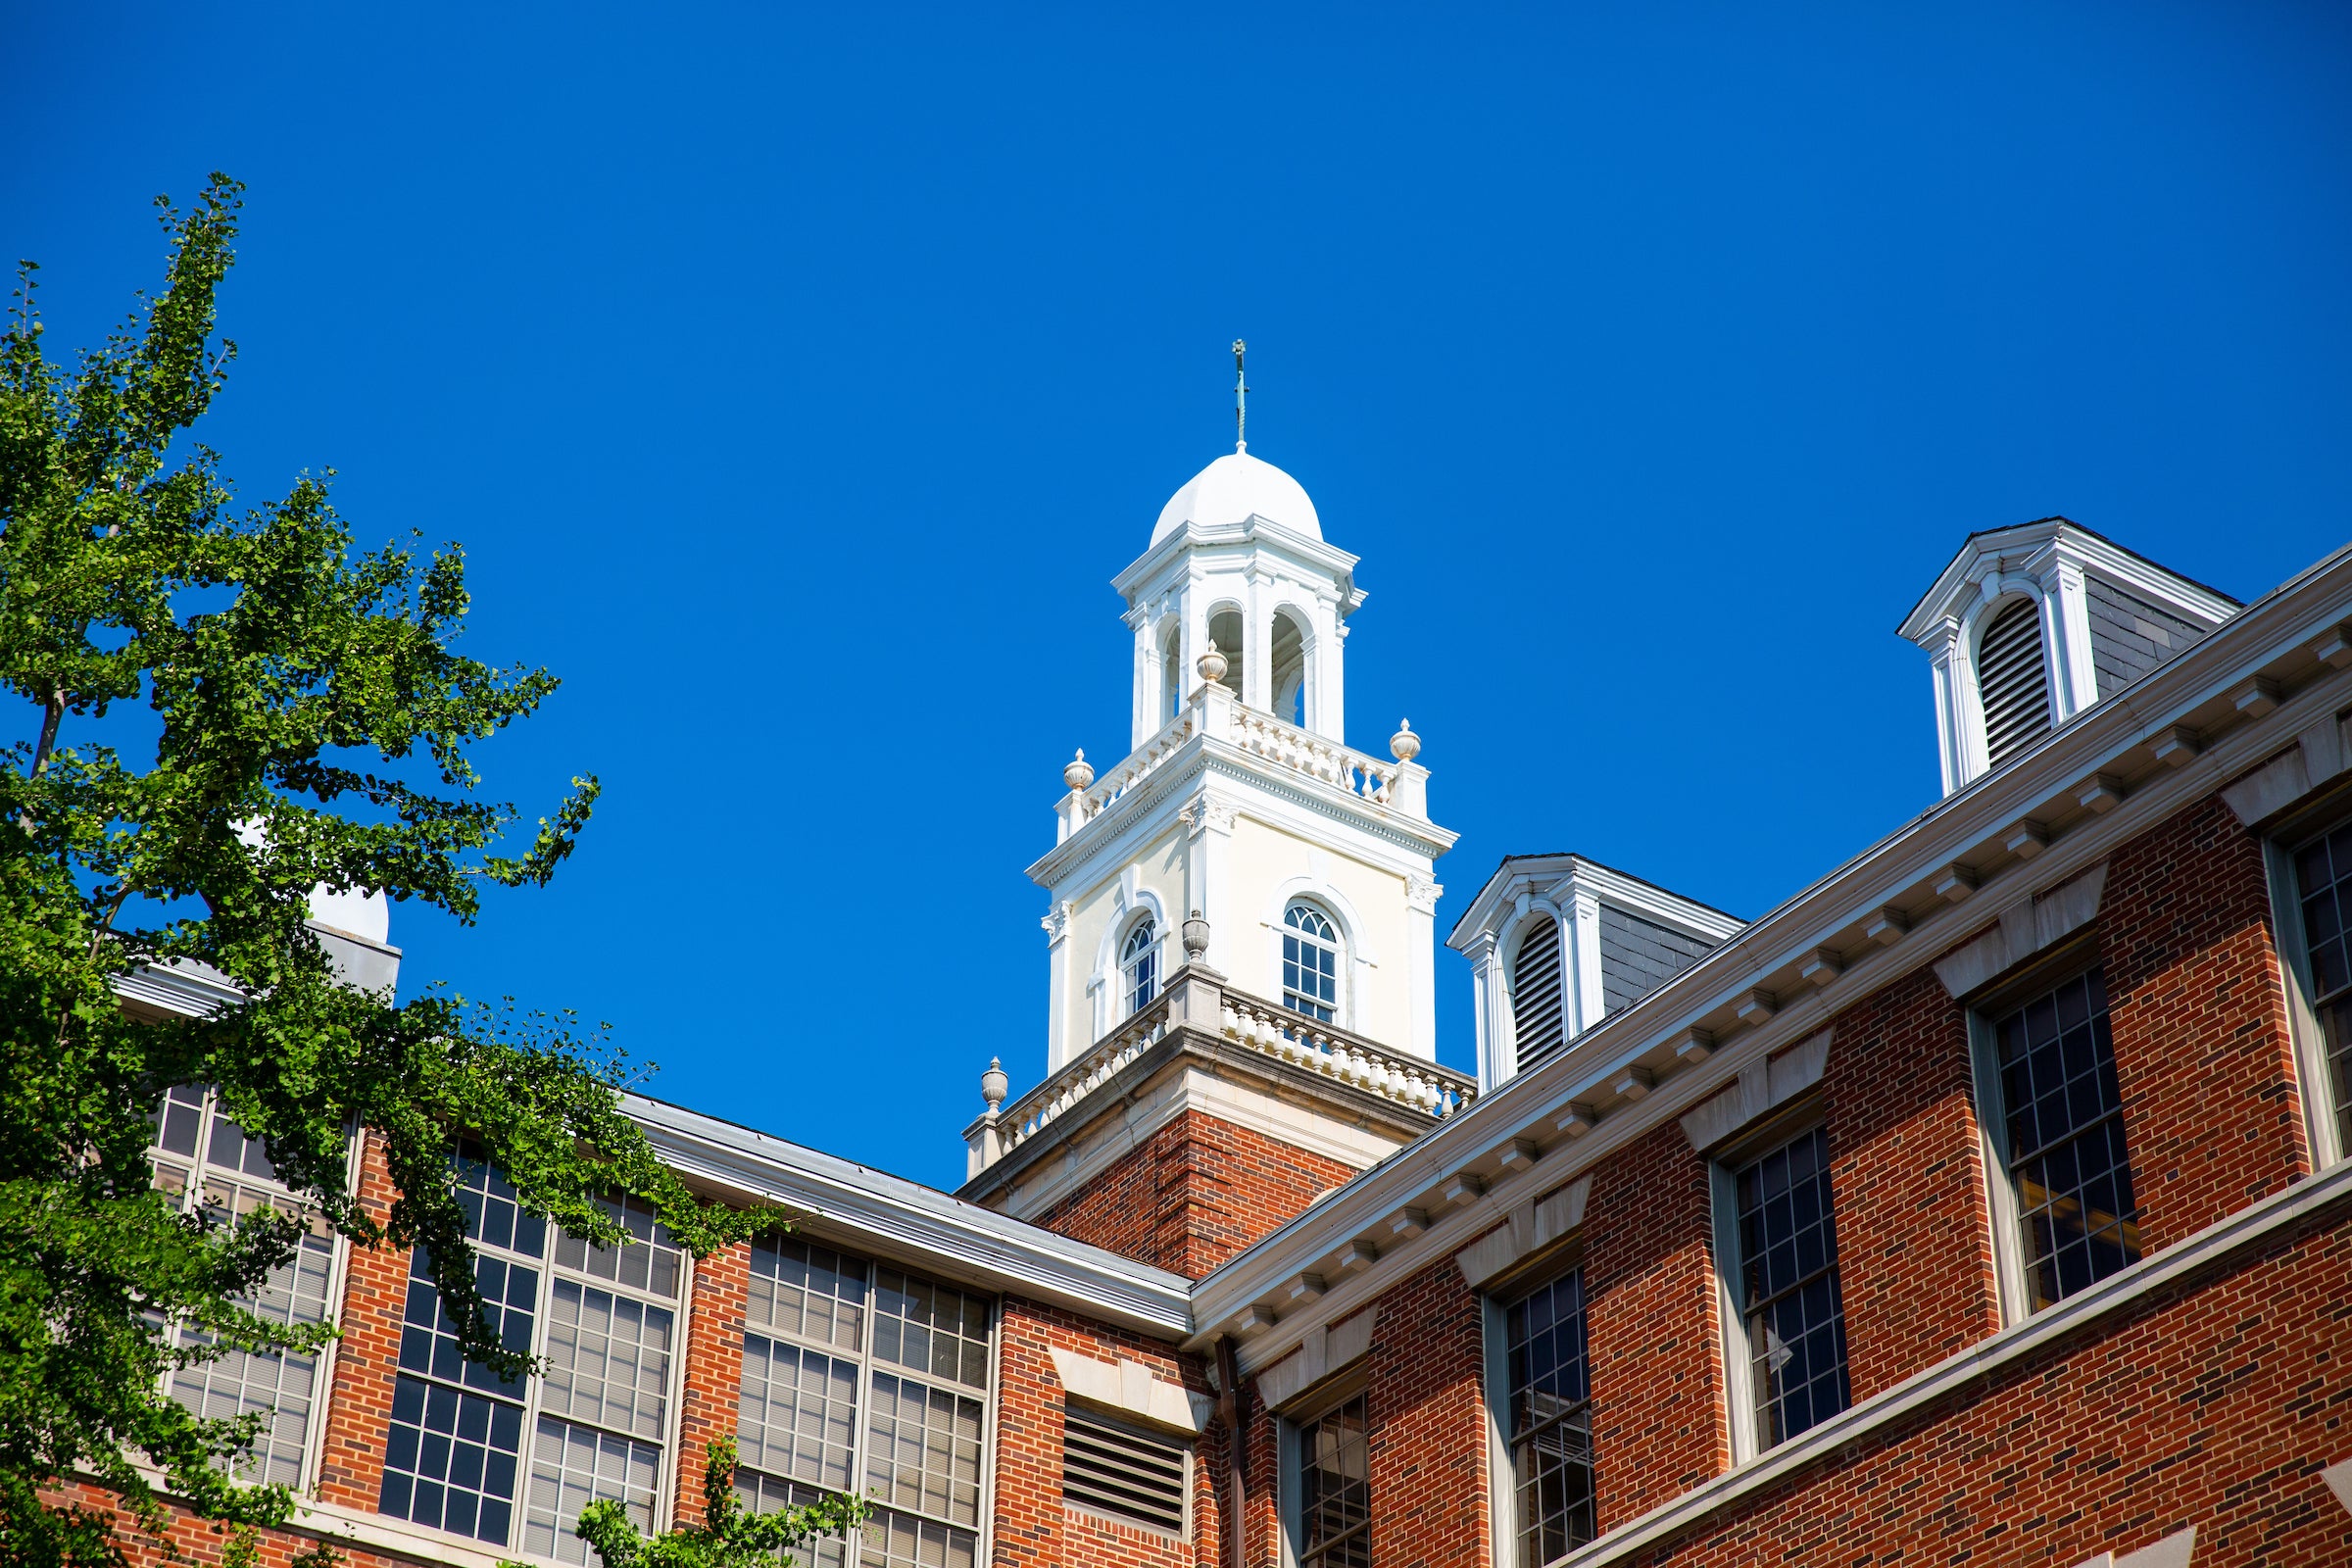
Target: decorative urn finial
994, 1083
1077, 775
1404, 744
1196, 938
1212, 665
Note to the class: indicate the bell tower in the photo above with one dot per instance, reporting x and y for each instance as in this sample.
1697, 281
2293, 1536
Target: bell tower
1239, 931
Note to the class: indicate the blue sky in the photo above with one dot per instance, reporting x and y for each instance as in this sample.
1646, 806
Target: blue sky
797, 379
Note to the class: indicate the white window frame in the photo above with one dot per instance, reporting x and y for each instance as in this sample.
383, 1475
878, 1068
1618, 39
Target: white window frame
1337, 945
863, 1357
1129, 959
1495, 1301
666, 1470
337, 1272
1290, 1468
2318, 1083
2001, 1207
1724, 1164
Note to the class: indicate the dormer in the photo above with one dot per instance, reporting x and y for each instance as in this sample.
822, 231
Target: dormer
2030, 626
1556, 943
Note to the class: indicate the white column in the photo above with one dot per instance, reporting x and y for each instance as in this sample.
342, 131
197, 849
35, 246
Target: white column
1420, 968
1486, 1004
1147, 697
1949, 744
1584, 970
1331, 686
1057, 986
2066, 621
1258, 645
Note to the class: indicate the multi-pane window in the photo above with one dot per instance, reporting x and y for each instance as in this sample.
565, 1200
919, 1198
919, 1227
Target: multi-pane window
2324, 878
1139, 965
1794, 1324
1311, 962
2066, 1154
858, 1376
1549, 1409
513, 1460
1335, 1489
208, 1166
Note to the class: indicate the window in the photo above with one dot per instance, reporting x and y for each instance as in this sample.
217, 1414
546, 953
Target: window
859, 1376
2010, 682
1335, 1488
2063, 1129
1311, 962
462, 1441
1139, 965
1788, 1288
1536, 1015
208, 1166
1122, 1471
2323, 881
1549, 1416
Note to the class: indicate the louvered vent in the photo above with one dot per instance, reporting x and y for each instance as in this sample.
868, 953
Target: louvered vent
1536, 991
2010, 679
1122, 1472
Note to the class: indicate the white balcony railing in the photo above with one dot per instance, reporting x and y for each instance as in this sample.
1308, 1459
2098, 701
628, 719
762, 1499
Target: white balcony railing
1240, 1019
1214, 712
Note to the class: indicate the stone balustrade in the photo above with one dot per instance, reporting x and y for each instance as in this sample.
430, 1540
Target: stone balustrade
1263, 735
1214, 712
1195, 999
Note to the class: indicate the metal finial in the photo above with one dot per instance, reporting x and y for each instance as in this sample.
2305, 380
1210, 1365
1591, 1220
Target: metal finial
1241, 399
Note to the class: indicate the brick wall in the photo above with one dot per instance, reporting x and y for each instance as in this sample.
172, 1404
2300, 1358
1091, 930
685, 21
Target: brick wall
2198, 1011
1907, 1183
1652, 1326
1193, 1193
1427, 1408
195, 1541
713, 1380
1032, 1525
2215, 1405
375, 1292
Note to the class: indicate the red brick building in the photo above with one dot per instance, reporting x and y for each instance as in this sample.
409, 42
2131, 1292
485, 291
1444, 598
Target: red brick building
1985, 1202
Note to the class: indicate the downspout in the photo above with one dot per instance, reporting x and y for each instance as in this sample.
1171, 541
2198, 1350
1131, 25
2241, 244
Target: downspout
1229, 1416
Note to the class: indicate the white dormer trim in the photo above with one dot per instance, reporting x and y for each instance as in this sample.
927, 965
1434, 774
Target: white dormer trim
1569, 889
2046, 562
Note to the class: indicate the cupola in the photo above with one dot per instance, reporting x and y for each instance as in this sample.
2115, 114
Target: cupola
2030, 626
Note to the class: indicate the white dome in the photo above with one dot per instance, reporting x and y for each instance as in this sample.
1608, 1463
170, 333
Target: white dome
1233, 487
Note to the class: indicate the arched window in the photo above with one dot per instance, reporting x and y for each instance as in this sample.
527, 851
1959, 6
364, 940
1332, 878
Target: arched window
1139, 965
2010, 681
1311, 962
1536, 1014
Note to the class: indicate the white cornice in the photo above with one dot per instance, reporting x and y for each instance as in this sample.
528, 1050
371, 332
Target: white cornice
1313, 554
916, 1223
2274, 633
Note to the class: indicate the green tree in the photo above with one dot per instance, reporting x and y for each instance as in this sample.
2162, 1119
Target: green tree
727, 1538
227, 709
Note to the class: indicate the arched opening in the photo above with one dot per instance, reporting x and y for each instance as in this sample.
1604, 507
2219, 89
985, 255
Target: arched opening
1288, 656
2012, 684
1311, 962
1138, 965
1536, 1014
1225, 630
1172, 684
